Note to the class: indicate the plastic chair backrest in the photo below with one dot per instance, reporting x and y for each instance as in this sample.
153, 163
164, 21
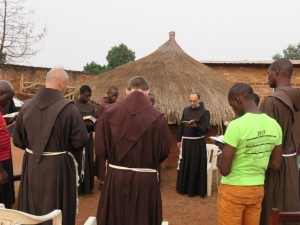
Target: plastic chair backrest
12, 217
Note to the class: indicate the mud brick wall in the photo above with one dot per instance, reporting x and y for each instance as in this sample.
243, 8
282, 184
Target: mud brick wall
253, 74
38, 75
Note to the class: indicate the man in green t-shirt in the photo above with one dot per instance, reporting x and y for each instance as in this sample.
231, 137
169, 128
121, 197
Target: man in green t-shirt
252, 144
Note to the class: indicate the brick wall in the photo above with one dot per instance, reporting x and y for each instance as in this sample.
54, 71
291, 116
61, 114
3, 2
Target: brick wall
38, 75
253, 74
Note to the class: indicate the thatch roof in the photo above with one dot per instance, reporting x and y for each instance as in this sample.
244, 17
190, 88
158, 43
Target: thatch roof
172, 75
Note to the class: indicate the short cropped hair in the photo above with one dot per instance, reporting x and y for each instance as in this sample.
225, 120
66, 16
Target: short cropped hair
138, 82
283, 64
113, 88
85, 88
241, 89
195, 93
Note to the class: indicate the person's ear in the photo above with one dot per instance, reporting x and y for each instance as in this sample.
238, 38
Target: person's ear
127, 91
238, 100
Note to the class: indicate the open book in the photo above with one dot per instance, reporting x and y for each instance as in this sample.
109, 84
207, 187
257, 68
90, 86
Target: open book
189, 122
218, 138
10, 115
91, 118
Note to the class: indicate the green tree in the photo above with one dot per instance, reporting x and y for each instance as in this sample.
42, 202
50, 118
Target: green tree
94, 68
18, 36
292, 52
119, 55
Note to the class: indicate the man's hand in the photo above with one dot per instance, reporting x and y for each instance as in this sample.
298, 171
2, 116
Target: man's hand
179, 145
88, 123
192, 125
3, 177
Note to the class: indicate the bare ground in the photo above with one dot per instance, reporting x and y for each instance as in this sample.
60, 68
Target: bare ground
177, 209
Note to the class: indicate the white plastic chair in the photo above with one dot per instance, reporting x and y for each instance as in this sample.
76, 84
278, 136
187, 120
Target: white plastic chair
212, 154
12, 217
91, 221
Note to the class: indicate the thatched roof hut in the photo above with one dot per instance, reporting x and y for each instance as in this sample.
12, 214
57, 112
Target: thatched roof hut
172, 75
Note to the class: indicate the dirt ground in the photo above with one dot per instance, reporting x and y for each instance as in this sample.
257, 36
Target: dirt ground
177, 209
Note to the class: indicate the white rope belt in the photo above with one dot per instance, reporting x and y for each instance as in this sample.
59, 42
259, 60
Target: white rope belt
47, 153
75, 164
143, 170
289, 155
192, 138
180, 150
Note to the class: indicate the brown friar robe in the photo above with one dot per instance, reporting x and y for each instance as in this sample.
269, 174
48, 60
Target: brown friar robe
86, 156
49, 123
282, 187
100, 166
134, 134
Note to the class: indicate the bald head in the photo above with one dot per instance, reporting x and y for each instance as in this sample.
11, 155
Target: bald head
57, 78
3, 75
6, 92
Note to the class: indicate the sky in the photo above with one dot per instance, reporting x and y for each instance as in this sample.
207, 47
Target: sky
79, 32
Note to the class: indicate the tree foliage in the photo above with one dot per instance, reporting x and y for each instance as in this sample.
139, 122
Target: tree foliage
292, 52
119, 55
18, 36
94, 68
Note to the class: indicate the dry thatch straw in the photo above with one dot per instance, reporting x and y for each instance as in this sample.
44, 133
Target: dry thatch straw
172, 75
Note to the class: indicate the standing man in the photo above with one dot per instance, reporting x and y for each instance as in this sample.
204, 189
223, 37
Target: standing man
100, 166
252, 144
192, 164
9, 108
136, 138
282, 188
85, 158
7, 191
49, 128
112, 95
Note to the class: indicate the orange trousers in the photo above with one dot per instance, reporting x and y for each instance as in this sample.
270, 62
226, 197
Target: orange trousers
239, 205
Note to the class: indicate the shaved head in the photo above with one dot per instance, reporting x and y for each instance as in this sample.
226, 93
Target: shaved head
6, 92
57, 78
283, 65
241, 90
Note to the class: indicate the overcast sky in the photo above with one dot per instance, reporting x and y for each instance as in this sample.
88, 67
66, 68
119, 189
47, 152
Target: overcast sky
83, 31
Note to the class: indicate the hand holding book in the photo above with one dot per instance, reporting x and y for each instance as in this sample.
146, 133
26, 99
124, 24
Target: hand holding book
190, 123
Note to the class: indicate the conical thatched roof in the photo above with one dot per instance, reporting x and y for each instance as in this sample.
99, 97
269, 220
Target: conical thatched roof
172, 75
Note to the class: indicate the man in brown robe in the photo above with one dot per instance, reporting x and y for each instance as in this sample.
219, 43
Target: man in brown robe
282, 188
100, 166
136, 139
49, 128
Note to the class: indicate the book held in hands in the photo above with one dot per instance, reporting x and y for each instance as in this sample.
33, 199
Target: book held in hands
91, 118
218, 138
189, 122
10, 115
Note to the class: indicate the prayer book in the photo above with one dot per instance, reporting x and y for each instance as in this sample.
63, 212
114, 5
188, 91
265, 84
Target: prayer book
218, 138
189, 122
10, 115
91, 118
